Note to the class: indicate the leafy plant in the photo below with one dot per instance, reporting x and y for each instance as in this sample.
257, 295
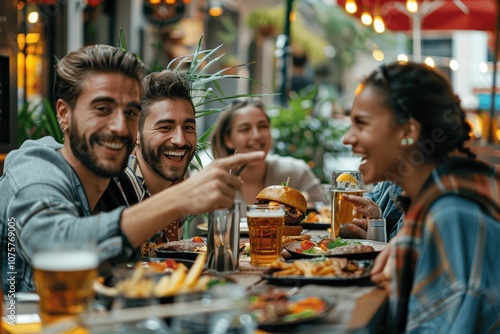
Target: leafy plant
206, 82
36, 121
299, 133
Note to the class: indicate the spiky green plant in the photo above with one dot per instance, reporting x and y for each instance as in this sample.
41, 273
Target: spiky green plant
206, 83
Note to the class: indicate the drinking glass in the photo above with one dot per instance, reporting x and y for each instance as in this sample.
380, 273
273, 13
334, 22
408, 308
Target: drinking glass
347, 182
237, 320
64, 274
224, 239
265, 225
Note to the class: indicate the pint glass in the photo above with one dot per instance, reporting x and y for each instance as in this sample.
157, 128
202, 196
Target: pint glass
265, 231
349, 183
63, 277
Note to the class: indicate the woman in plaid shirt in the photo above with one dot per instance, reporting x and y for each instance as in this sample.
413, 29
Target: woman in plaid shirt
442, 269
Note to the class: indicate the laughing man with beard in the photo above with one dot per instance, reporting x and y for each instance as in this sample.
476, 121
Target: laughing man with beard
165, 146
51, 192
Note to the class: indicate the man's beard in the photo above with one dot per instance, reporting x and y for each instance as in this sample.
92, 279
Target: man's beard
81, 150
152, 158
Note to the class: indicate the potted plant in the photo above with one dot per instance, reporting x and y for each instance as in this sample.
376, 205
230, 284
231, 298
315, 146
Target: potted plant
298, 132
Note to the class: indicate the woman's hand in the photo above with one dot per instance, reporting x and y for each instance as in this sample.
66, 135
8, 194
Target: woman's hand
381, 271
358, 227
355, 229
365, 206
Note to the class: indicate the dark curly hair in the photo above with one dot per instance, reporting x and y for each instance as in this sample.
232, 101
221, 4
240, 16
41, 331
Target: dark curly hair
417, 91
166, 84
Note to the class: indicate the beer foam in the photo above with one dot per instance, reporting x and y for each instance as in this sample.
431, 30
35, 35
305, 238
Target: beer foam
68, 261
266, 213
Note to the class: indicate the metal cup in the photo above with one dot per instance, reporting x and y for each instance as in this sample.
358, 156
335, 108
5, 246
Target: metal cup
377, 230
223, 239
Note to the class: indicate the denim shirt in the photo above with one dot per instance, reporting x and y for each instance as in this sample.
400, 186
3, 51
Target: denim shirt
385, 194
42, 201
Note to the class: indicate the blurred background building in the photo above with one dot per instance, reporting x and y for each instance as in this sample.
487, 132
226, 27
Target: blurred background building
339, 48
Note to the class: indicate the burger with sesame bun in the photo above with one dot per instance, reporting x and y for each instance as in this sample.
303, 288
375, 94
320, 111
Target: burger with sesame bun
295, 205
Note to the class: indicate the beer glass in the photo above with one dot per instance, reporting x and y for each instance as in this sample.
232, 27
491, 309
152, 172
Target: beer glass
265, 226
344, 182
64, 274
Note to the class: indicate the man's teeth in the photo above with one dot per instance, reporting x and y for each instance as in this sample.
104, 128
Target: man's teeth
363, 160
112, 145
174, 153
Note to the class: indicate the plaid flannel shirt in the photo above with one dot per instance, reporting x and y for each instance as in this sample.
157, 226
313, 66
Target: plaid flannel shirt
446, 266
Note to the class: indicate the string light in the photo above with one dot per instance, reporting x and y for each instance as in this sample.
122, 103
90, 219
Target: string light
215, 8
412, 6
483, 67
378, 24
351, 7
366, 18
454, 65
33, 17
378, 55
429, 62
403, 58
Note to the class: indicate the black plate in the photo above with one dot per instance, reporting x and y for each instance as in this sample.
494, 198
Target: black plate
183, 252
321, 280
278, 324
377, 245
106, 301
316, 226
180, 255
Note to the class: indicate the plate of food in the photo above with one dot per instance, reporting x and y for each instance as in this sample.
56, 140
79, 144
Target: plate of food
275, 308
318, 219
182, 249
327, 247
162, 278
330, 271
316, 225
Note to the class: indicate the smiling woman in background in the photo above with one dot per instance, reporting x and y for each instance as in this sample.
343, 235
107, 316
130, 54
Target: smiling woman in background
244, 126
442, 268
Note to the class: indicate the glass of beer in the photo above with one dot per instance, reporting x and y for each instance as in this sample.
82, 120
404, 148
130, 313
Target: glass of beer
265, 231
64, 274
344, 182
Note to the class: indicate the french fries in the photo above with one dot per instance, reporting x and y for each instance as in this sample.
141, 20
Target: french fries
142, 284
334, 266
324, 215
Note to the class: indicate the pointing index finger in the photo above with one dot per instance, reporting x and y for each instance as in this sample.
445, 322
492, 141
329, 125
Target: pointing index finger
236, 160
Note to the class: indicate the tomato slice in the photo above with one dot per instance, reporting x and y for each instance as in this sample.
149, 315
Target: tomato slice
307, 244
298, 250
198, 239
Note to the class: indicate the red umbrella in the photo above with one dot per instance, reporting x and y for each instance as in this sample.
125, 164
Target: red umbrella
431, 15
437, 15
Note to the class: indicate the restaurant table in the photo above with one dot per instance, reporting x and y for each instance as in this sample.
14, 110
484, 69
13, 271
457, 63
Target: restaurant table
358, 308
